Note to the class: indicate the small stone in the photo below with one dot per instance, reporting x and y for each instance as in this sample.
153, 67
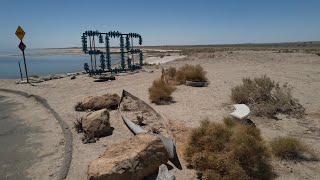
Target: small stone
281, 116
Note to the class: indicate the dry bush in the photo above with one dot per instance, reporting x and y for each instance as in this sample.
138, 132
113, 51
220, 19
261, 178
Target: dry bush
290, 148
168, 75
77, 107
190, 73
228, 151
267, 98
160, 92
171, 72
88, 137
183, 74
78, 125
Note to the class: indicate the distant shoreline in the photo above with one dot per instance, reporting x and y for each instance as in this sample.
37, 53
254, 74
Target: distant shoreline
310, 45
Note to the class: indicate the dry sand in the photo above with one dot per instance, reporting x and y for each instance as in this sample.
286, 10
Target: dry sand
225, 70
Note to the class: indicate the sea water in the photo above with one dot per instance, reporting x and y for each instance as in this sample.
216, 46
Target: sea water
45, 65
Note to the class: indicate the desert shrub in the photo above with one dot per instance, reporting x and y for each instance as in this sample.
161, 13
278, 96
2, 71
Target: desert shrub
168, 75
88, 137
228, 151
183, 74
267, 98
78, 125
171, 72
229, 122
289, 148
78, 107
160, 92
190, 73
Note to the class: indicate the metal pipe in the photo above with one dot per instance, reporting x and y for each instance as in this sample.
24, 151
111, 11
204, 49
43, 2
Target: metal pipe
25, 66
95, 56
132, 51
20, 71
91, 54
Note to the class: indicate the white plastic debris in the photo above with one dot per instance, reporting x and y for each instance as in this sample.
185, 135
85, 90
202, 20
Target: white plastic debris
242, 111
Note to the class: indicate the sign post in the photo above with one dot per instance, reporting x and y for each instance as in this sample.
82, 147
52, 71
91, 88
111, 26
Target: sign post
20, 34
20, 71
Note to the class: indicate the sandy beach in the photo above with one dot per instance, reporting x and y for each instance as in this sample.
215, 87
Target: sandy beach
225, 69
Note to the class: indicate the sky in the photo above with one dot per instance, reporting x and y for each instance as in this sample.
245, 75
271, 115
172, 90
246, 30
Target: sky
60, 23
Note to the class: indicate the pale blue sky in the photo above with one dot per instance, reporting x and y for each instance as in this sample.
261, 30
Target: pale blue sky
60, 23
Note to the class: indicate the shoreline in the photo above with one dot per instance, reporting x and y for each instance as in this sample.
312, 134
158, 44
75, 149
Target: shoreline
152, 60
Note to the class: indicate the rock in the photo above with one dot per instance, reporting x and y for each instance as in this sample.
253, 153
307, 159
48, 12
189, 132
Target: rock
71, 74
280, 116
23, 82
107, 101
73, 77
134, 159
47, 78
164, 174
97, 123
55, 77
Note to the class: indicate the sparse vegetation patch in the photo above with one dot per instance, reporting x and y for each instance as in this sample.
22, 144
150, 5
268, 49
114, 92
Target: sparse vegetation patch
160, 92
78, 125
290, 148
267, 98
185, 73
228, 151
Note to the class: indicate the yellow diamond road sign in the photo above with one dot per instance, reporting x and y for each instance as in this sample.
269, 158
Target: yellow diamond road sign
20, 33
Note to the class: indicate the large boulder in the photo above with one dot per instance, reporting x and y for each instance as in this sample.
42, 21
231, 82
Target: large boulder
97, 123
135, 159
107, 101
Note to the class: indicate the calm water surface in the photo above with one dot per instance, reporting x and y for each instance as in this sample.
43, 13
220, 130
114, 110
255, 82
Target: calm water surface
44, 65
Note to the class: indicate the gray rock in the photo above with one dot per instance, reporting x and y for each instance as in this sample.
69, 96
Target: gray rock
164, 174
281, 116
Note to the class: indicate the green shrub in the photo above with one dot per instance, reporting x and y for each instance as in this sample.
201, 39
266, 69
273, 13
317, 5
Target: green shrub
160, 92
228, 151
289, 148
267, 98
